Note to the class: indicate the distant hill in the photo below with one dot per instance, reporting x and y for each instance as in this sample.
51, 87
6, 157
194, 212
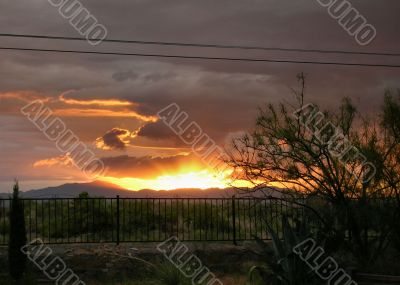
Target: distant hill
72, 190
108, 190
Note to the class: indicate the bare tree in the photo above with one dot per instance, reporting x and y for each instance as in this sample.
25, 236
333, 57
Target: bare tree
390, 122
338, 156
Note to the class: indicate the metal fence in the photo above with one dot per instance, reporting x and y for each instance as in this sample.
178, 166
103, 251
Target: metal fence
115, 220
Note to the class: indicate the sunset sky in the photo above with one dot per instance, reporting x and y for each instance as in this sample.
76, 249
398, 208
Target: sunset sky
111, 102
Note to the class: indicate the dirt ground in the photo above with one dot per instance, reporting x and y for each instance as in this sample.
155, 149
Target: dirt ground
137, 263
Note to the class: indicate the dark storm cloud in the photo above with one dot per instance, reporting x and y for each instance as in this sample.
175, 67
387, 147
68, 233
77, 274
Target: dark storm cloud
115, 139
148, 167
124, 75
158, 131
256, 22
157, 76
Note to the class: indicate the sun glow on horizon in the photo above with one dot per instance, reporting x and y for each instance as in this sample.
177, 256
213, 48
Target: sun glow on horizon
203, 179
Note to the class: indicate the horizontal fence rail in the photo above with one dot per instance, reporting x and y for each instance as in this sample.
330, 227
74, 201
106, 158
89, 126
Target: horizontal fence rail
115, 220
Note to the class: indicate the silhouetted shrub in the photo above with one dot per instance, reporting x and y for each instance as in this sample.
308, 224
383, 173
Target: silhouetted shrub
16, 258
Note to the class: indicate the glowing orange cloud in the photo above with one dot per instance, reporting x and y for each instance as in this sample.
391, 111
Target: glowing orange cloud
26, 96
63, 160
110, 102
103, 113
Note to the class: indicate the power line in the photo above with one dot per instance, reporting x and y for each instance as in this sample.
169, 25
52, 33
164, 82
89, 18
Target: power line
201, 57
220, 46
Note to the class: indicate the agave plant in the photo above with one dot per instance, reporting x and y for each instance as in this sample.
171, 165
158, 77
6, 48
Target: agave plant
283, 266
168, 274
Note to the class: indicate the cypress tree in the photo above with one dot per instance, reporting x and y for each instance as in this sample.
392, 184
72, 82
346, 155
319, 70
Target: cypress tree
16, 258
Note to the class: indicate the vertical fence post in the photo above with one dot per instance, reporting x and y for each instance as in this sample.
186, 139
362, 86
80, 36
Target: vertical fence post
118, 222
234, 219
